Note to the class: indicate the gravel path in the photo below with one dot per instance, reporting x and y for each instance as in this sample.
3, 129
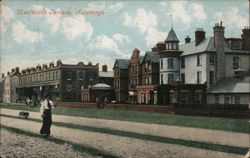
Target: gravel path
121, 146
187, 133
15, 146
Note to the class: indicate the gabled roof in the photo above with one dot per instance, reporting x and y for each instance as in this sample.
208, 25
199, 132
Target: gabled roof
207, 45
122, 63
141, 59
231, 85
151, 57
171, 37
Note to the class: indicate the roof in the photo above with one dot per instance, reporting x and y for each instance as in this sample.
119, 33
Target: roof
206, 45
231, 85
106, 74
101, 86
122, 63
190, 48
152, 57
171, 37
141, 59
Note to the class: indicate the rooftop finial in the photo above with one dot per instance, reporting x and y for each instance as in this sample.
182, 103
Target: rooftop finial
171, 17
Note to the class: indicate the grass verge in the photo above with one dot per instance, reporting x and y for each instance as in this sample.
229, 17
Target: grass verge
77, 147
182, 142
225, 124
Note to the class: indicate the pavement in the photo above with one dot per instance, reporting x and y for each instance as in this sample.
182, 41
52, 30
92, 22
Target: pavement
130, 147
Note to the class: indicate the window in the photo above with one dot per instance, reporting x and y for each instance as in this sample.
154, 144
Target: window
57, 77
169, 46
170, 63
170, 78
217, 99
182, 62
149, 80
117, 71
161, 63
174, 46
211, 77
227, 99
136, 69
69, 87
133, 69
211, 58
149, 67
68, 76
182, 78
145, 67
161, 78
146, 80
117, 84
237, 99
53, 78
198, 77
236, 62
80, 75
198, 60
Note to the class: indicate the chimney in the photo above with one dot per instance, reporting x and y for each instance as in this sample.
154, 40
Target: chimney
161, 46
12, 70
3, 75
187, 39
104, 68
8, 73
45, 66
51, 64
154, 49
59, 62
17, 69
220, 53
246, 38
199, 36
38, 67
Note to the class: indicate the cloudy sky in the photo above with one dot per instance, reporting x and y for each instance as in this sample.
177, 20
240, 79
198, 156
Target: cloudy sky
57, 30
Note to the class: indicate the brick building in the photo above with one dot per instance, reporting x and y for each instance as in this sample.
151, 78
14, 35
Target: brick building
147, 91
62, 81
134, 75
120, 70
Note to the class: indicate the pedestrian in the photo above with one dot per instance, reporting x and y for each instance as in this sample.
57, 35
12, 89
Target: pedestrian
45, 110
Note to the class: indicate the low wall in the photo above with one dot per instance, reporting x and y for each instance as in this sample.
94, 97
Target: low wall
165, 109
136, 107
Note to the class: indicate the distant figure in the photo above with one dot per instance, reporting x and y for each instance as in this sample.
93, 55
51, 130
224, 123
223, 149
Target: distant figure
45, 110
98, 103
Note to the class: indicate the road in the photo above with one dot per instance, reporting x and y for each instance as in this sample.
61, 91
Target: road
130, 147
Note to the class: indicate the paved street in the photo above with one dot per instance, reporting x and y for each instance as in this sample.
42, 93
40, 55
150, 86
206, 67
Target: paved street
129, 147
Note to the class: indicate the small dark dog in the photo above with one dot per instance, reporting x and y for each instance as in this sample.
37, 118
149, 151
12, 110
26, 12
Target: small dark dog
24, 114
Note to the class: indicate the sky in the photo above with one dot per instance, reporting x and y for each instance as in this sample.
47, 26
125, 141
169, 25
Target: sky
102, 31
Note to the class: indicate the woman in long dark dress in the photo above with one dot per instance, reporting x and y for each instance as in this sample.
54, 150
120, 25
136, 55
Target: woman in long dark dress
45, 109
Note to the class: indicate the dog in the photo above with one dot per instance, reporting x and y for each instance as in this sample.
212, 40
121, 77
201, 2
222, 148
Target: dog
24, 114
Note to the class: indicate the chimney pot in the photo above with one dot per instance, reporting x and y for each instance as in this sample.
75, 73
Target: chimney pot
187, 39
104, 68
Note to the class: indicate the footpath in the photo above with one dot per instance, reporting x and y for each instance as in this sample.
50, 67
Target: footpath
130, 147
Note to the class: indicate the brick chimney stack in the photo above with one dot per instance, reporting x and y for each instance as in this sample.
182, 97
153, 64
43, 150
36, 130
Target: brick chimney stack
220, 53
246, 38
199, 36
187, 39
104, 68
